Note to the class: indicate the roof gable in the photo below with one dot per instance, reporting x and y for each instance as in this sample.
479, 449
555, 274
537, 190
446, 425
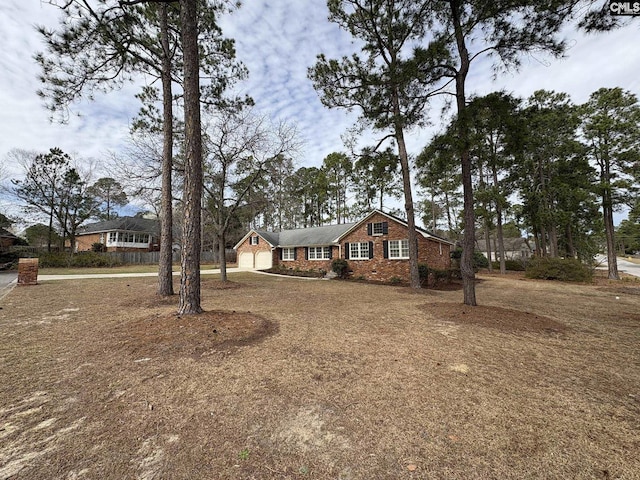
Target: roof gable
301, 237
422, 231
6, 233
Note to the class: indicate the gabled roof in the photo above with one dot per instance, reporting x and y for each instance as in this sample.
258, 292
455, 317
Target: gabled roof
301, 237
122, 224
421, 231
326, 235
6, 233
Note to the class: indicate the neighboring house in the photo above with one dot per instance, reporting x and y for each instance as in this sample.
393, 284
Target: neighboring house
123, 234
7, 239
376, 248
514, 248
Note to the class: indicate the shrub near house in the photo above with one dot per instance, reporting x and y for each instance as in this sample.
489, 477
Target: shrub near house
376, 248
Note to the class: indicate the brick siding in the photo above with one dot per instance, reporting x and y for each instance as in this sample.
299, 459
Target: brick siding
85, 242
263, 246
301, 263
430, 252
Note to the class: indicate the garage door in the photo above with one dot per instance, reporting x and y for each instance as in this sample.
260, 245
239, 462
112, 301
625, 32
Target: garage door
245, 260
263, 260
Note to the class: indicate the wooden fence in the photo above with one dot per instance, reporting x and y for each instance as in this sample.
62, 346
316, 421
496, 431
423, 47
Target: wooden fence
135, 258
151, 258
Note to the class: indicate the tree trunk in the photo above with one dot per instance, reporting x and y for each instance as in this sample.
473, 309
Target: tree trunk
468, 239
191, 240
487, 244
414, 273
222, 250
165, 262
571, 249
612, 260
536, 238
449, 219
553, 240
543, 241
607, 213
499, 232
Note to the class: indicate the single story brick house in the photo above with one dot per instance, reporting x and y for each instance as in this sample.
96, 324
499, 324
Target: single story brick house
123, 234
376, 248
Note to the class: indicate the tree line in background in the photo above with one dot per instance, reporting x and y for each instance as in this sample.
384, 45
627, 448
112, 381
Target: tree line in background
539, 166
63, 195
557, 169
559, 159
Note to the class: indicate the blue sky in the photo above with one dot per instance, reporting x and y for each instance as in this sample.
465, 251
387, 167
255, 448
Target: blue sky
278, 40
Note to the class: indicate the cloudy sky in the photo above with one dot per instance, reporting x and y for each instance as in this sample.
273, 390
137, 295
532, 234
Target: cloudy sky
277, 40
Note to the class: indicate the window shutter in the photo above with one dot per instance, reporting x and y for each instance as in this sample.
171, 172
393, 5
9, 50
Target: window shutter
306, 253
330, 253
346, 251
281, 250
370, 249
295, 253
257, 240
385, 228
369, 228
385, 246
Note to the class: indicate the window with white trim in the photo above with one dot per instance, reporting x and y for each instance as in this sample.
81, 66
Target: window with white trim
288, 254
378, 228
359, 251
120, 238
319, 253
253, 240
399, 249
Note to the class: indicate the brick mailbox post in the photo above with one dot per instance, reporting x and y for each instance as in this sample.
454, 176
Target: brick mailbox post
28, 271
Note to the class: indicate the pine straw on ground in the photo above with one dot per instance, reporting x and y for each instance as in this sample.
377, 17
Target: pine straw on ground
291, 379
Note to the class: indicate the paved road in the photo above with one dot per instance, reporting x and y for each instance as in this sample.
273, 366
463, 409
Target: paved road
6, 282
623, 265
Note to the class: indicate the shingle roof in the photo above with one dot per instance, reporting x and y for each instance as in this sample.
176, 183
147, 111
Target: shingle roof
324, 236
127, 224
6, 233
302, 237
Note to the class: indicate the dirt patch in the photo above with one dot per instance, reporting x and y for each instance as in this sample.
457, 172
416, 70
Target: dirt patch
503, 319
171, 335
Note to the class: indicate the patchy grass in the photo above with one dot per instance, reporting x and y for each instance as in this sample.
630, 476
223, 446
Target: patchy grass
290, 379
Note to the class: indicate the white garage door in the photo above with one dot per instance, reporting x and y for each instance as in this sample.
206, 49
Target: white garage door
245, 260
263, 260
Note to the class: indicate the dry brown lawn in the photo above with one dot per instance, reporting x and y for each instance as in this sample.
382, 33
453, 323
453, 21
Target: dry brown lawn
292, 379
